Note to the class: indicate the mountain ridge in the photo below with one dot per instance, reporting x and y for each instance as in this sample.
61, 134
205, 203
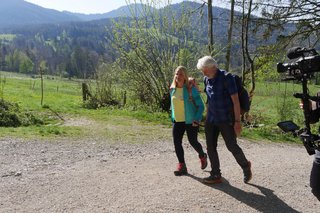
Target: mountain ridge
15, 13
19, 13
121, 11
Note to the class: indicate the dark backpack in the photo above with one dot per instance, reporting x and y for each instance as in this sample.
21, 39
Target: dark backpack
243, 94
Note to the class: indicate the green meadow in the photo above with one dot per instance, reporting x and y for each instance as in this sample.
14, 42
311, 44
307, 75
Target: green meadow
64, 115
7, 37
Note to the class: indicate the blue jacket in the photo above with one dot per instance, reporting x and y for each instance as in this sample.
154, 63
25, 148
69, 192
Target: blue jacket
193, 109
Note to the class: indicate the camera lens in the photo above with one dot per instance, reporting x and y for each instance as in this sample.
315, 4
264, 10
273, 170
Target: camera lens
281, 68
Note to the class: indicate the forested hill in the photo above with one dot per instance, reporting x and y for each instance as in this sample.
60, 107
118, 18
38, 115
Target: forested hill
123, 11
19, 13
20, 17
64, 46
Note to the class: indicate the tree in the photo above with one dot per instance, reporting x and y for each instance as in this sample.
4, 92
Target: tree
299, 21
79, 62
25, 63
210, 27
229, 45
42, 70
280, 24
245, 45
148, 46
246, 55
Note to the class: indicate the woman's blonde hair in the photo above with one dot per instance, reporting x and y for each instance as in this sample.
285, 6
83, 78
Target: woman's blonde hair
185, 75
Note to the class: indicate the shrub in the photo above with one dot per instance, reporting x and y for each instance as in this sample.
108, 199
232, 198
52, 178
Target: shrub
11, 116
103, 92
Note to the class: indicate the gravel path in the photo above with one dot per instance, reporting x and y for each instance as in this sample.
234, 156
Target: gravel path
98, 176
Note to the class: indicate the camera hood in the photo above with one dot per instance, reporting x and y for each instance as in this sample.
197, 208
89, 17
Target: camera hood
297, 52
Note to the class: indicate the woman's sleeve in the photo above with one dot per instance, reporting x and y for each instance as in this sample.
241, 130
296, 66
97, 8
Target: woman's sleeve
198, 102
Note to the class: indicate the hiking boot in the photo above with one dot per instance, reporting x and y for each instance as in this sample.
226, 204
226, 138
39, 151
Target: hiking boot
212, 179
181, 169
203, 161
247, 173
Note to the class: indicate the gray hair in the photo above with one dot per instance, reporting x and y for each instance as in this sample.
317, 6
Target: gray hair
206, 61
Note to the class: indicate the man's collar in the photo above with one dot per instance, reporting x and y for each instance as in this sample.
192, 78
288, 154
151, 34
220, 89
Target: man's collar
218, 72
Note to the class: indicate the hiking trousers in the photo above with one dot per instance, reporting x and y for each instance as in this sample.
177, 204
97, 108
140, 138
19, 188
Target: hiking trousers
212, 132
178, 130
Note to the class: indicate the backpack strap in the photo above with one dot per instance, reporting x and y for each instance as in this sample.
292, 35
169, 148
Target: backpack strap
205, 81
237, 80
225, 82
239, 84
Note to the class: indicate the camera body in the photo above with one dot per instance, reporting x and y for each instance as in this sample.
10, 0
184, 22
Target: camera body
304, 62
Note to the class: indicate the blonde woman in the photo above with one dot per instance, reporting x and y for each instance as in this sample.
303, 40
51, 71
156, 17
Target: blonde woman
186, 113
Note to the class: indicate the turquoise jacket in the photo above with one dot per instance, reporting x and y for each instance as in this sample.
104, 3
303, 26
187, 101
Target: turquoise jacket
193, 109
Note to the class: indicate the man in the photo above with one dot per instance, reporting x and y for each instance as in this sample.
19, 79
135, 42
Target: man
223, 116
315, 171
315, 175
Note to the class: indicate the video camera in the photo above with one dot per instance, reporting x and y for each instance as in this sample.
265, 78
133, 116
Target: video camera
304, 62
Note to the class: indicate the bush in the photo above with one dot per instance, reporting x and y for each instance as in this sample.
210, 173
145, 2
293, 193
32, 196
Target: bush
286, 107
103, 92
11, 116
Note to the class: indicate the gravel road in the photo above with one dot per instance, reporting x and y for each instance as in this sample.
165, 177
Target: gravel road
100, 176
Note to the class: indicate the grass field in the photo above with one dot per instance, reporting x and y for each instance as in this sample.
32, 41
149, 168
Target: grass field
63, 100
8, 37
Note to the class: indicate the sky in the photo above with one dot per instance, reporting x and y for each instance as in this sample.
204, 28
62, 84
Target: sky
87, 6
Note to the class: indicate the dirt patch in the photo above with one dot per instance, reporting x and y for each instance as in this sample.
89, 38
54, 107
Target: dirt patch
98, 176
81, 121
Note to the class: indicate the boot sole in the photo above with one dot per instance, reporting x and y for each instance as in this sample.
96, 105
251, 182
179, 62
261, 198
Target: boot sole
212, 181
178, 173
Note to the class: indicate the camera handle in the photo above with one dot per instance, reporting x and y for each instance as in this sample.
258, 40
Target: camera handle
309, 141
305, 97
305, 135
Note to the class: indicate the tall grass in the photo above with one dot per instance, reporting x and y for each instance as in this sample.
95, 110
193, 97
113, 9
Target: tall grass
274, 102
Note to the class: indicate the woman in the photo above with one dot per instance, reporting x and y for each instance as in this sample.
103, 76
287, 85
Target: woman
186, 113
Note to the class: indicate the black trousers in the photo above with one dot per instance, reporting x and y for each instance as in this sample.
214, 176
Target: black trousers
315, 176
178, 130
229, 136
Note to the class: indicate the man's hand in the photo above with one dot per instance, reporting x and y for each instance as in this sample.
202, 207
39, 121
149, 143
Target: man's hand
237, 128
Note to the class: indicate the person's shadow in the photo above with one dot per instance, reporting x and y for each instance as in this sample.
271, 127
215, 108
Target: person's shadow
269, 203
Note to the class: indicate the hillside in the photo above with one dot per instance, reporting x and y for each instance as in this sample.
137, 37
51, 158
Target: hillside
123, 11
19, 13
24, 17
15, 13
63, 41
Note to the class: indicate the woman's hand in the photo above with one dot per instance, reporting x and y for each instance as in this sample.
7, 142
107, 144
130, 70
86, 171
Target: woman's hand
195, 123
